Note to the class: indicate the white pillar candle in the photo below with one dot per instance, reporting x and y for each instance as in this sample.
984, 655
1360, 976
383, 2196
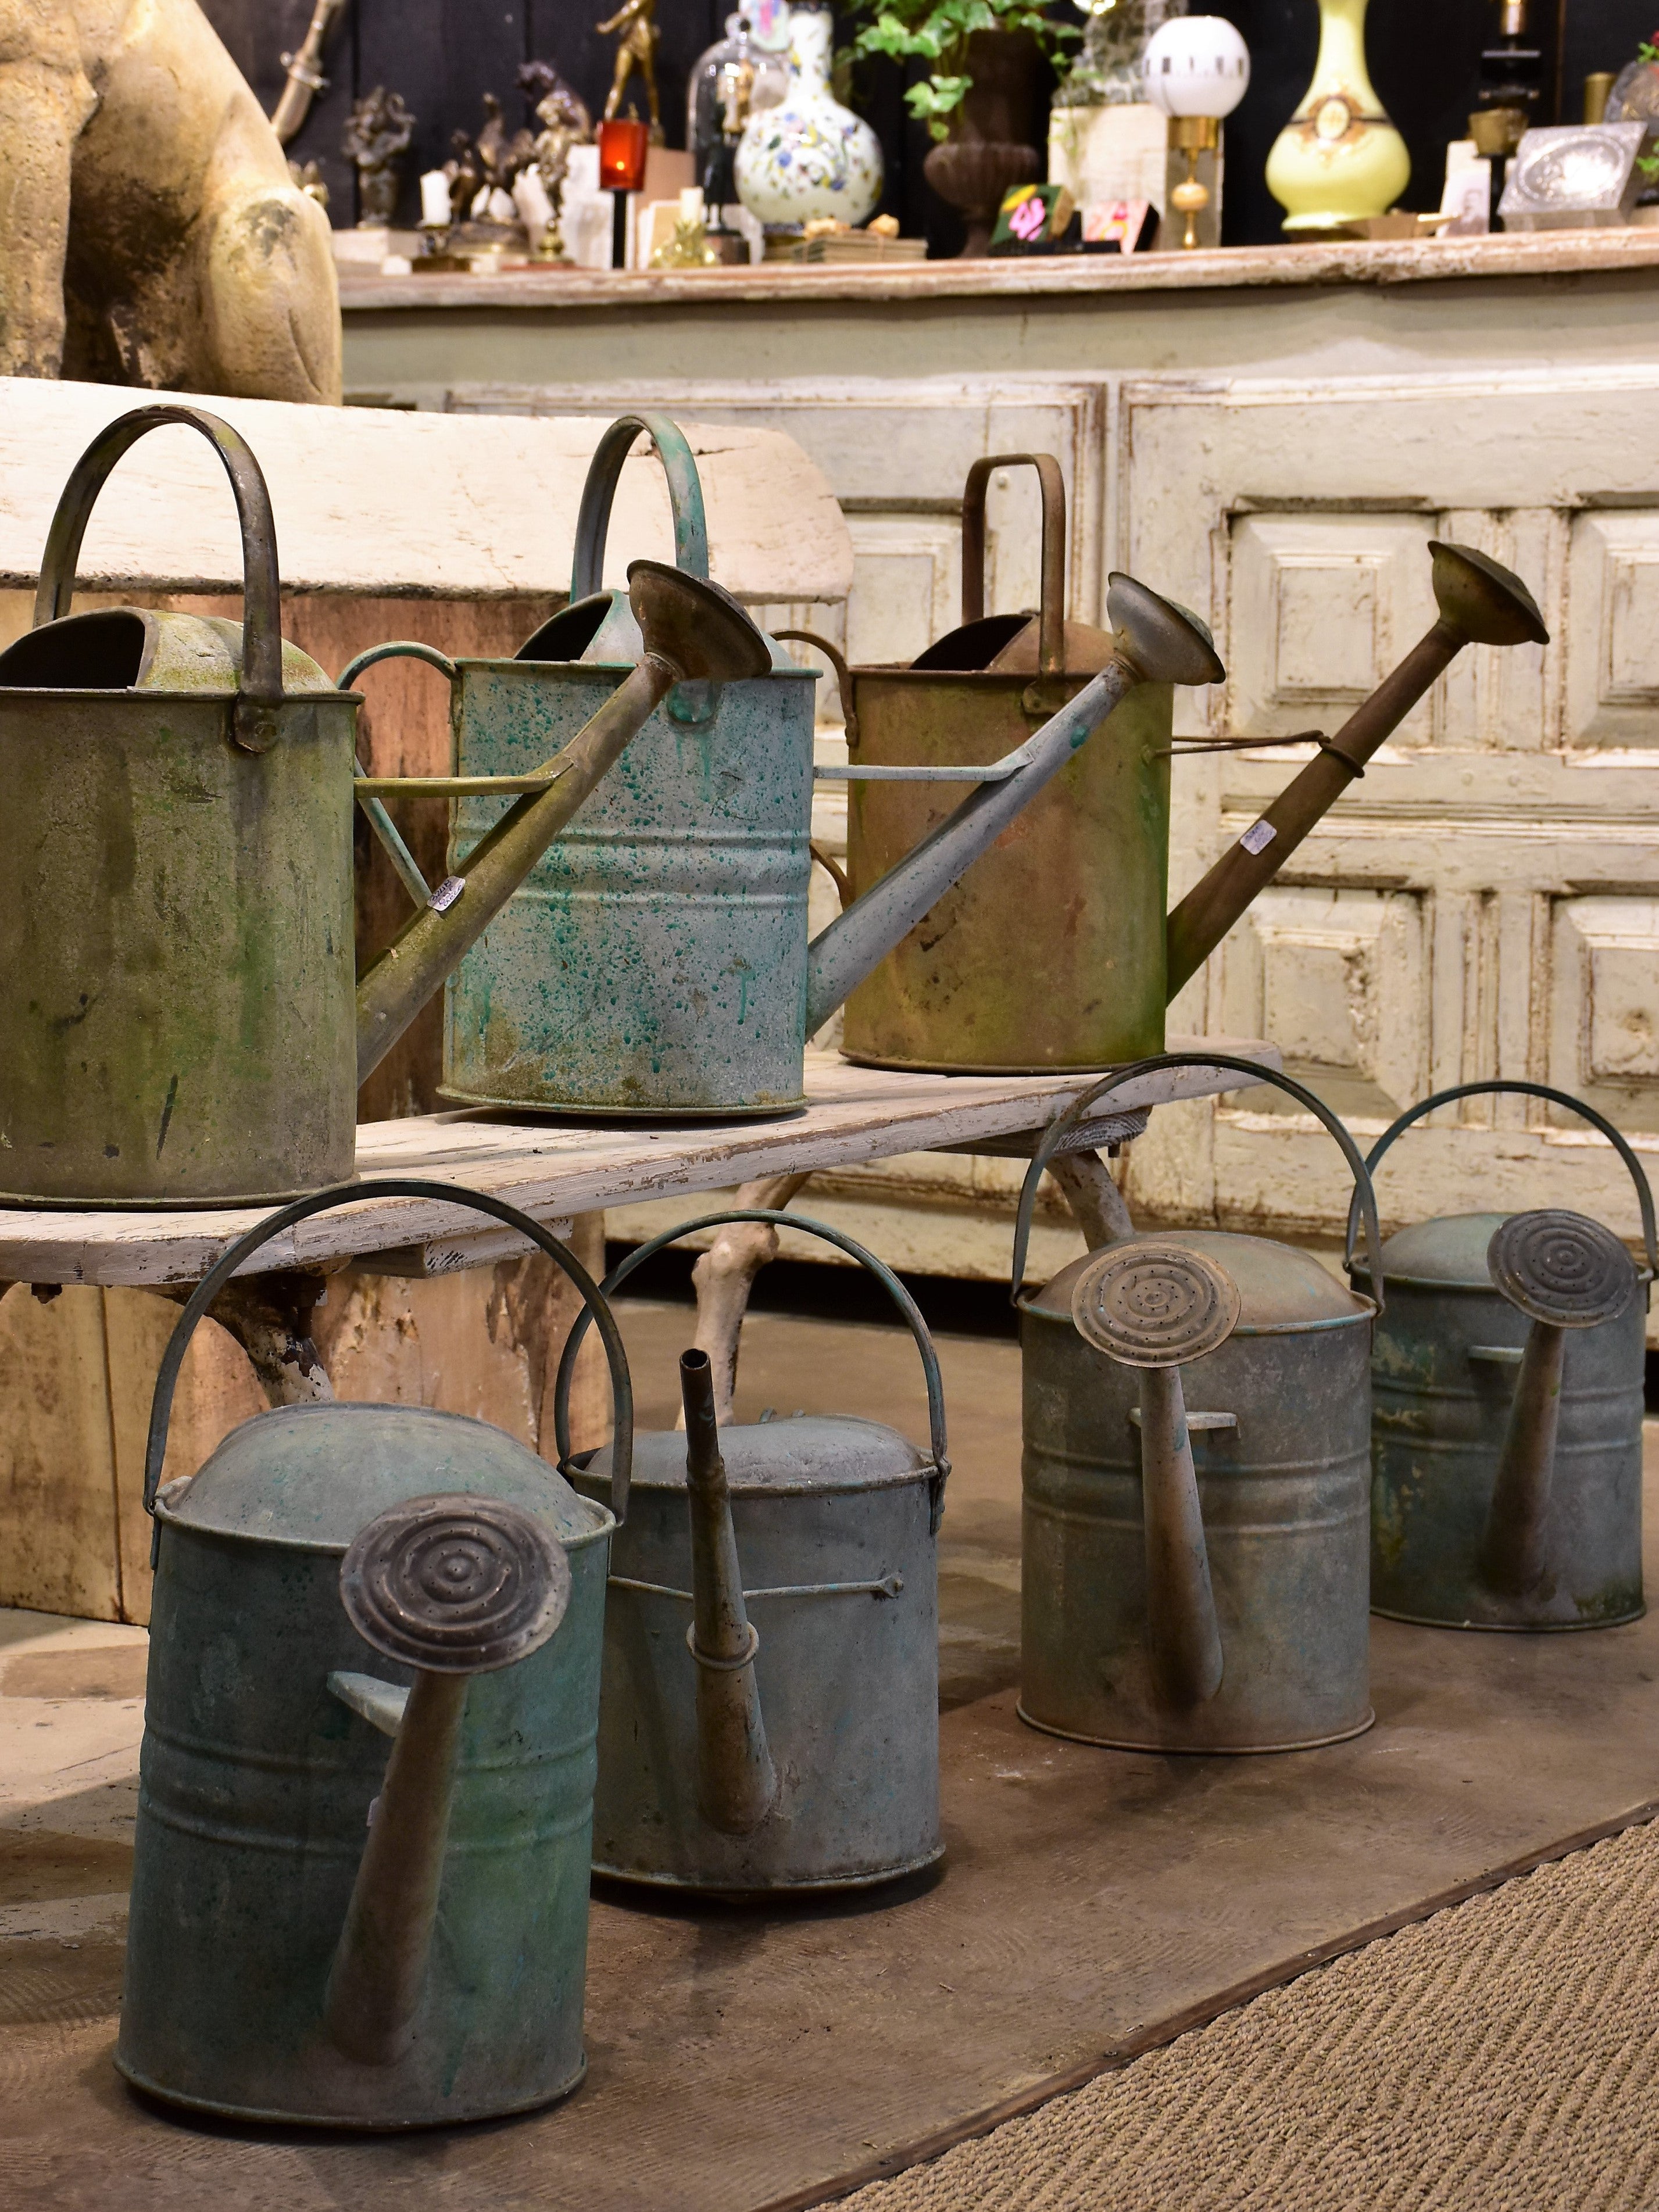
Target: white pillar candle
434, 198
531, 199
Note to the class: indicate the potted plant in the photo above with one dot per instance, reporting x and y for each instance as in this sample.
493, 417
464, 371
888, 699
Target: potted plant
977, 97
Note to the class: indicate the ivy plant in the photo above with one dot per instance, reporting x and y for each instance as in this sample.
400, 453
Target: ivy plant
937, 31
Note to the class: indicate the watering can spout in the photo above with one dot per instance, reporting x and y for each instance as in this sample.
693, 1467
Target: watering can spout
1153, 642
737, 1781
1479, 604
454, 1586
1564, 1271
693, 631
1155, 1307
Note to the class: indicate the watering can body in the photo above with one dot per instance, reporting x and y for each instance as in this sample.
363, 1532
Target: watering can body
1279, 1417
1507, 1382
655, 961
769, 1718
177, 987
1196, 1473
837, 1517
1050, 952
1447, 1353
258, 1781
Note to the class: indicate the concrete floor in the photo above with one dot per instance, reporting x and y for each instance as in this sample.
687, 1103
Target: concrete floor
742, 2060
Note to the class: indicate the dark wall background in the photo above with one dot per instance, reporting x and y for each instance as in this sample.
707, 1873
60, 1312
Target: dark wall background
443, 55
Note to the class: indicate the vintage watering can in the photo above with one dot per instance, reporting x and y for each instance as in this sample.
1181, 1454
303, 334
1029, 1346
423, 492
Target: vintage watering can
797, 1749
319, 1932
1506, 1387
1197, 1470
180, 1020
1055, 951
658, 961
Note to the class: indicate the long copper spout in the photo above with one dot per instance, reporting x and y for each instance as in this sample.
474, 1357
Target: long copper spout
1481, 603
693, 631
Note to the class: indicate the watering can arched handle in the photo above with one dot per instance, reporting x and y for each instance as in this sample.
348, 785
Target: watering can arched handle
253, 724
604, 474
476, 1201
1051, 614
883, 1274
1365, 1197
1514, 1086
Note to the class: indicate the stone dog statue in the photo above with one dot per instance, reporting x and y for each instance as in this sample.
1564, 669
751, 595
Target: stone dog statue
149, 233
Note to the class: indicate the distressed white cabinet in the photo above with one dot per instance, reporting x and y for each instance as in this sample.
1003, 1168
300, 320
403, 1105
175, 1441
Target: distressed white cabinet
1485, 903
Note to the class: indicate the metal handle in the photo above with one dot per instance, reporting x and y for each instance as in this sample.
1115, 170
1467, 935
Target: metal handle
1051, 616
254, 725
1077, 1111
1643, 1191
476, 1201
604, 475
837, 660
883, 1274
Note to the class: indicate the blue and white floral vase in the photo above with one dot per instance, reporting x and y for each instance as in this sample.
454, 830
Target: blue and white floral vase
809, 156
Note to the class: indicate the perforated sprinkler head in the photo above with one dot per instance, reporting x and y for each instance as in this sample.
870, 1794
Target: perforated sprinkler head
1154, 1305
455, 1584
1560, 1267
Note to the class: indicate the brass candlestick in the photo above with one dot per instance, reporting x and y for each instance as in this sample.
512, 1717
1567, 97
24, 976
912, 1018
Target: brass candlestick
1192, 135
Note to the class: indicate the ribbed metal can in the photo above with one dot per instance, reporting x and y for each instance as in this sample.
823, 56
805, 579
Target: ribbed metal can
835, 1522
258, 1784
655, 961
1279, 1422
1448, 1351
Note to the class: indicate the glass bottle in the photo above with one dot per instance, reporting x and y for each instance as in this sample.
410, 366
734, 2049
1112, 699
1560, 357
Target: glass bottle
736, 78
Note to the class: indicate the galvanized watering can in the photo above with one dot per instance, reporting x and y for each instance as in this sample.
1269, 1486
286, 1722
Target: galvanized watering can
1196, 1473
797, 1749
180, 1021
658, 961
321, 1933
1055, 952
1506, 1384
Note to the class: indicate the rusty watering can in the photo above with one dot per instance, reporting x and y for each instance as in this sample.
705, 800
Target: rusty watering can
1506, 1387
320, 1933
769, 1719
1055, 952
658, 961
177, 998
1196, 1471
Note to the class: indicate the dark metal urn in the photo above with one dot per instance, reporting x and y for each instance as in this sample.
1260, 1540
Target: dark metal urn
988, 151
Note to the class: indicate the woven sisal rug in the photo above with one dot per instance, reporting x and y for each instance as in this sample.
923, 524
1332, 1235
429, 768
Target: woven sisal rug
1501, 2056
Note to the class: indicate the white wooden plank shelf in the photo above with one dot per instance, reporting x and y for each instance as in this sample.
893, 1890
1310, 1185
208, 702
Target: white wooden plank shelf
553, 1169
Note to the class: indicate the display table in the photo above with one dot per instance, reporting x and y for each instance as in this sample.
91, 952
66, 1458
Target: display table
554, 1169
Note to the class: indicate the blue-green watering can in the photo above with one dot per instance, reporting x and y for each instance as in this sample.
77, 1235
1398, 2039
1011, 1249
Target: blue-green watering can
326, 1929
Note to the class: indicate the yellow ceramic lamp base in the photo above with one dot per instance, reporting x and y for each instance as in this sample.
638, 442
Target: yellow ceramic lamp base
1339, 159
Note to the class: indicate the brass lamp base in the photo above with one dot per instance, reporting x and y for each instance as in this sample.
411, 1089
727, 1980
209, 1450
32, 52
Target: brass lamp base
1192, 135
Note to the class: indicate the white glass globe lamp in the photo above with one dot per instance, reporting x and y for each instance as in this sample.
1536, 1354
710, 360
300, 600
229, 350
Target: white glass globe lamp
1197, 69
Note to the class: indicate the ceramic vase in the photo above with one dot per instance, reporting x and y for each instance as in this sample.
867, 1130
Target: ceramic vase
1339, 159
809, 156
988, 152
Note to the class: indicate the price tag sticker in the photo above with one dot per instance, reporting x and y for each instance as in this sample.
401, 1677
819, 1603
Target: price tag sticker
1258, 836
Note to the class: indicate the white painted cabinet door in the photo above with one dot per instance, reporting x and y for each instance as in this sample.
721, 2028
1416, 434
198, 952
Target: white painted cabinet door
1485, 903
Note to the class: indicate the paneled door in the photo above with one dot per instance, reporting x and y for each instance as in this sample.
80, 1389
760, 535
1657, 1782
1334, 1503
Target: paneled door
1485, 903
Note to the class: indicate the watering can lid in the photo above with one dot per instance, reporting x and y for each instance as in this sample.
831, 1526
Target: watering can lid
1280, 1289
315, 1475
807, 1451
1450, 1251
143, 649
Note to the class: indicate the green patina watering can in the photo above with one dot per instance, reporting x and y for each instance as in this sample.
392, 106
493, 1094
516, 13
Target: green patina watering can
657, 961
1055, 952
769, 1721
1507, 1388
179, 1019
1197, 1471
322, 1932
